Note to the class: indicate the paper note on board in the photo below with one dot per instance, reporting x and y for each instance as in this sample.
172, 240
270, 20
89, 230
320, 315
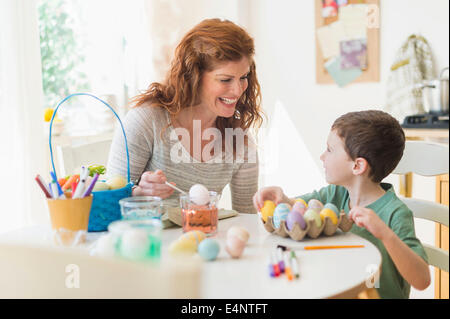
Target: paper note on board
342, 77
329, 37
354, 20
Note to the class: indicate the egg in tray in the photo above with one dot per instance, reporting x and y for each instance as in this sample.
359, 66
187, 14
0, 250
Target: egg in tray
312, 219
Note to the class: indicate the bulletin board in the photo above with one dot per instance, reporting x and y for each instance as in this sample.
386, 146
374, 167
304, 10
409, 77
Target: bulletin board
337, 63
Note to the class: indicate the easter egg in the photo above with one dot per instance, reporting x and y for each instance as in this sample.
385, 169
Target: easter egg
116, 182
100, 186
312, 214
295, 217
183, 246
315, 204
196, 235
199, 194
280, 213
267, 209
234, 246
332, 207
326, 212
105, 246
239, 232
208, 249
301, 201
299, 207
134, 244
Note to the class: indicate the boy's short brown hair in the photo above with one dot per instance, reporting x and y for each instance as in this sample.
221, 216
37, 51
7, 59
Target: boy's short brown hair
375, 136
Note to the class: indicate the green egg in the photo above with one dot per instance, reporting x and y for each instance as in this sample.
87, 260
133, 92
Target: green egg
311, 214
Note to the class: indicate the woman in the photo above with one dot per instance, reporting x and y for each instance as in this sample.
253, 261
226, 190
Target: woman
211, 88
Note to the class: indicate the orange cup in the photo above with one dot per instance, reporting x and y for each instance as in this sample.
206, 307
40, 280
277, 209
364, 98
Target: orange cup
69, 219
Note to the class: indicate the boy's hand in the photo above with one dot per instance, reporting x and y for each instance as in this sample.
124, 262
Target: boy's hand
273, 193
367, 218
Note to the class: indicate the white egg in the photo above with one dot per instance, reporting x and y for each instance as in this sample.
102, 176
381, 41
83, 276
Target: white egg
199, 194
134, 244
239, 232
105, 246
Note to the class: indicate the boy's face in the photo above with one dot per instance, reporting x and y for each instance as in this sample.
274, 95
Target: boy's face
337, 163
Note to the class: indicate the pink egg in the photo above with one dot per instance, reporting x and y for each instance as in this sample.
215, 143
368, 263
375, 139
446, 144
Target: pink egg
315, 204
234, 246
299, 207
295, 217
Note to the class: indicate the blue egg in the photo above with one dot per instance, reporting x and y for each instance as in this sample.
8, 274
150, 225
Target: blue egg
333, 208
208, 249
280, 213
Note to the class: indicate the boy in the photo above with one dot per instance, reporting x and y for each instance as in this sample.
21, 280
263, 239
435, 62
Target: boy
362, 149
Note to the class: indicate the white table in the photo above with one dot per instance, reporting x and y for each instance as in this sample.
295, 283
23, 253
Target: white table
323, 273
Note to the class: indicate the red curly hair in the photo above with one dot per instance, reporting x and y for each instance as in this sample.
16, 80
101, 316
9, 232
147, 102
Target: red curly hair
209, 43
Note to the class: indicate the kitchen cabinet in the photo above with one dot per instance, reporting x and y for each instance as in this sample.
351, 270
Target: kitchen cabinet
442, 235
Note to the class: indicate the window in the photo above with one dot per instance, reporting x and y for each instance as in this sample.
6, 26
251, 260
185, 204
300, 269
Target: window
102, 47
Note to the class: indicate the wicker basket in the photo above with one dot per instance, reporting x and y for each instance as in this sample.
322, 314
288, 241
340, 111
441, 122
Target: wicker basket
105, 204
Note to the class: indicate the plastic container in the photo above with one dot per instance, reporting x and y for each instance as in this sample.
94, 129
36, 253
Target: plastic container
141, 207
138, 240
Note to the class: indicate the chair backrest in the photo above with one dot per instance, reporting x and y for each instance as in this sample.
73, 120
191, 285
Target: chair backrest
71, 158
427, 159
423, 158
438, 213
47, 272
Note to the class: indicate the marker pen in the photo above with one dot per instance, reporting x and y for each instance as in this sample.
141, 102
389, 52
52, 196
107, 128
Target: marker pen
294, 265
80, 187
288, 269
280, 260
54, 189
271, 268
42, 185
276, 267
60, 191
91, 186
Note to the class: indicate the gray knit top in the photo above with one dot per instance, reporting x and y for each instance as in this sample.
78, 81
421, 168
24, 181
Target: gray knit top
150, 150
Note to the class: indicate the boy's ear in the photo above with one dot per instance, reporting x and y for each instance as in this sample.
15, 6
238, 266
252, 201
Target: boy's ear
360, 166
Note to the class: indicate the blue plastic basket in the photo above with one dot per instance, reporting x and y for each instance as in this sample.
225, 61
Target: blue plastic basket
105, 204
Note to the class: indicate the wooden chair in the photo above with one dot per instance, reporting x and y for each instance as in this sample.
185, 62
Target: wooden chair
71, 158
427, 159
53, 272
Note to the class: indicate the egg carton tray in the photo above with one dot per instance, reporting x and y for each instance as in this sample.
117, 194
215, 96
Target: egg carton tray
296, 233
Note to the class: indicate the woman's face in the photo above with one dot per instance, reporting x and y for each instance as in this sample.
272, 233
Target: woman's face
222, 87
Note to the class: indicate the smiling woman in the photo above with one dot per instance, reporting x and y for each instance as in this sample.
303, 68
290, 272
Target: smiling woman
211, 84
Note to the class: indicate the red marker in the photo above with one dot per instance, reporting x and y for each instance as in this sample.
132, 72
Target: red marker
276, 267
42, 184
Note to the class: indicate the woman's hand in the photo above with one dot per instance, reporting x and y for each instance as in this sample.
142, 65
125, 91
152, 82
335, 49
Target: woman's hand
153, 184
273, 193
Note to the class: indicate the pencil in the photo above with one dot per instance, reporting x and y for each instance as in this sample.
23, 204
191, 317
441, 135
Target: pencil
332, 247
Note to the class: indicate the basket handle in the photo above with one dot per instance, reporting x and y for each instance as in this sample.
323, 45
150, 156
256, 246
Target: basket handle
87, 94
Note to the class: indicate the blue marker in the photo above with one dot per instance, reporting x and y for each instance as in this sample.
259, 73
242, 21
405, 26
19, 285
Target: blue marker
60, 191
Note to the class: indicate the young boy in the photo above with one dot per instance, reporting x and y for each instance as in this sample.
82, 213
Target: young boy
362, 149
